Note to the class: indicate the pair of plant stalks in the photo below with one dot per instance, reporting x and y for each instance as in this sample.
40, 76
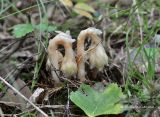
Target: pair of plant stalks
70, 64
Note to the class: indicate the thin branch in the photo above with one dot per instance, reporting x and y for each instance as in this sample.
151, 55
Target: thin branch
14, 49
44, 106
10, 103
15, 90
1, 112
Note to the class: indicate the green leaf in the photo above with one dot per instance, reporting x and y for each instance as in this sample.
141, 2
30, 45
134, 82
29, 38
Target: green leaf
46, 27
51, 28
21, 30
42, 26
95, 103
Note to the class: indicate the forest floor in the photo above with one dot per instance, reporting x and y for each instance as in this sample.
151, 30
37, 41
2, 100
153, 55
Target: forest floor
130, 37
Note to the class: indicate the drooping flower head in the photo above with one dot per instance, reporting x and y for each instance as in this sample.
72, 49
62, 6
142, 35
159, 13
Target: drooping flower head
96, 53
67, 63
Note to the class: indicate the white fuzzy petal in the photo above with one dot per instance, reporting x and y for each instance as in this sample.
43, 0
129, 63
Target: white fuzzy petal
98, 58
65, 36
95, 30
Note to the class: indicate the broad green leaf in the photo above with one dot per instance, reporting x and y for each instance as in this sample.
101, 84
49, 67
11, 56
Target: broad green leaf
84, 7
21, 30
95, 103
83, 13
51, 28
46, 27
42, 26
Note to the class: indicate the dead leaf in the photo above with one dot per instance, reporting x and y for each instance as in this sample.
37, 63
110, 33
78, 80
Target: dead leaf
84, 7
11, 96
36, 94
67, 3
83, 13
84, 10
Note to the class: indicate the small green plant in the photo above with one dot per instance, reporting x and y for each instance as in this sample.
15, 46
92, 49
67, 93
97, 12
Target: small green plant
95, 103
21, 30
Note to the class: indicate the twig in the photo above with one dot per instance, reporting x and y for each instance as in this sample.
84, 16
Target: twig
1, 112
8, 46
69, 81
14, 49
44, 106
10, 103
58, 113
15, 90
12, 76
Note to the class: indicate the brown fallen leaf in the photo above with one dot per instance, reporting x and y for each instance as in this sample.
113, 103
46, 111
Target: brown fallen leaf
11, 96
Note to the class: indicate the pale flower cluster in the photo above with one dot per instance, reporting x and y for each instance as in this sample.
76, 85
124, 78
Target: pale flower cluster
67, 63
